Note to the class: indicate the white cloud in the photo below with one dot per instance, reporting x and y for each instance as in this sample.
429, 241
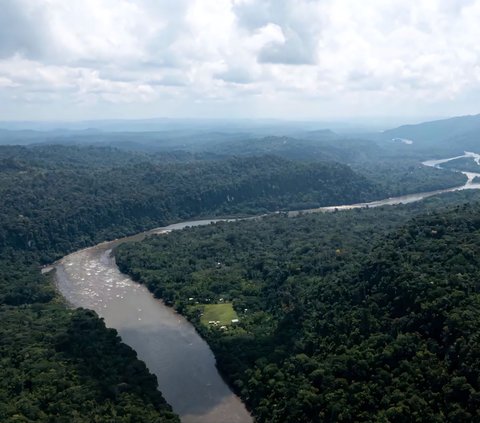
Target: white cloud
7, 83
311, 58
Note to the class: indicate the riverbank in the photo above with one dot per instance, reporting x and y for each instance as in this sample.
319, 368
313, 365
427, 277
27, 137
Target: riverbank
164, 340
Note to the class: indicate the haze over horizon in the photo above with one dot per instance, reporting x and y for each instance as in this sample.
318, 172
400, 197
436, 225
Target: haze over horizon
235, 59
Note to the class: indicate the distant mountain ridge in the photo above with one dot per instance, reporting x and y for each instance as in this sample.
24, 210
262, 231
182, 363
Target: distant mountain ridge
460, 131
316, 142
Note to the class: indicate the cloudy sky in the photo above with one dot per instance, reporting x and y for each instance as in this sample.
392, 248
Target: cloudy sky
296, 59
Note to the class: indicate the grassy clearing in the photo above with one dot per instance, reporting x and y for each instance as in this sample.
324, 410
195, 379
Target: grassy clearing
224, 313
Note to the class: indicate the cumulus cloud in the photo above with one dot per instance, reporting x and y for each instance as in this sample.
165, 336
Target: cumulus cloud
300, 24
308, 58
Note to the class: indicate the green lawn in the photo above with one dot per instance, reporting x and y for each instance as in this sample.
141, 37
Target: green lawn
218, 312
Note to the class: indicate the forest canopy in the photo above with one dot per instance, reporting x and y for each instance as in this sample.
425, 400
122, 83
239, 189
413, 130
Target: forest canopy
359, 316
63, 365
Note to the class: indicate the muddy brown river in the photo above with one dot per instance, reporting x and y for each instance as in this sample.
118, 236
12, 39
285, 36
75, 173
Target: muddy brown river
163, 339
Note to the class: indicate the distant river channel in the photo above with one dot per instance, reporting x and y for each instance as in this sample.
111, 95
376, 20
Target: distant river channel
163, 339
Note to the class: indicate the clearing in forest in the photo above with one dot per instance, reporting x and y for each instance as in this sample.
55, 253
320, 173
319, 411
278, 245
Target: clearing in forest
223, 313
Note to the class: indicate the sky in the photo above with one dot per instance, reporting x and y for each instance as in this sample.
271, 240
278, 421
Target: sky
286, 59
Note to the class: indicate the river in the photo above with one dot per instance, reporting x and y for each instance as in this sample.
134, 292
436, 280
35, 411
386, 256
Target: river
164, 340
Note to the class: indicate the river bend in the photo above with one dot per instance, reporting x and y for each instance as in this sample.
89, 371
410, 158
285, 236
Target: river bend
164, 340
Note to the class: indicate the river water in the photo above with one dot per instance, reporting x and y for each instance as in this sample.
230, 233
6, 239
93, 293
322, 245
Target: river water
164, 340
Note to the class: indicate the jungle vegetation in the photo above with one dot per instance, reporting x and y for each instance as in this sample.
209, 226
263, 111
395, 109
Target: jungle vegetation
58, 364
353, 316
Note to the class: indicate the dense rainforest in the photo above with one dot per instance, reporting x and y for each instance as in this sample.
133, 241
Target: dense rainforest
58, 198
355, 316
47, 205
399, 174
65, 365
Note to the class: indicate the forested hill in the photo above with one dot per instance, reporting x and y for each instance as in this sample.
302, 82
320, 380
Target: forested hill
54, 207
455, 134
58, 198
438, 130
339, 322
329, 147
